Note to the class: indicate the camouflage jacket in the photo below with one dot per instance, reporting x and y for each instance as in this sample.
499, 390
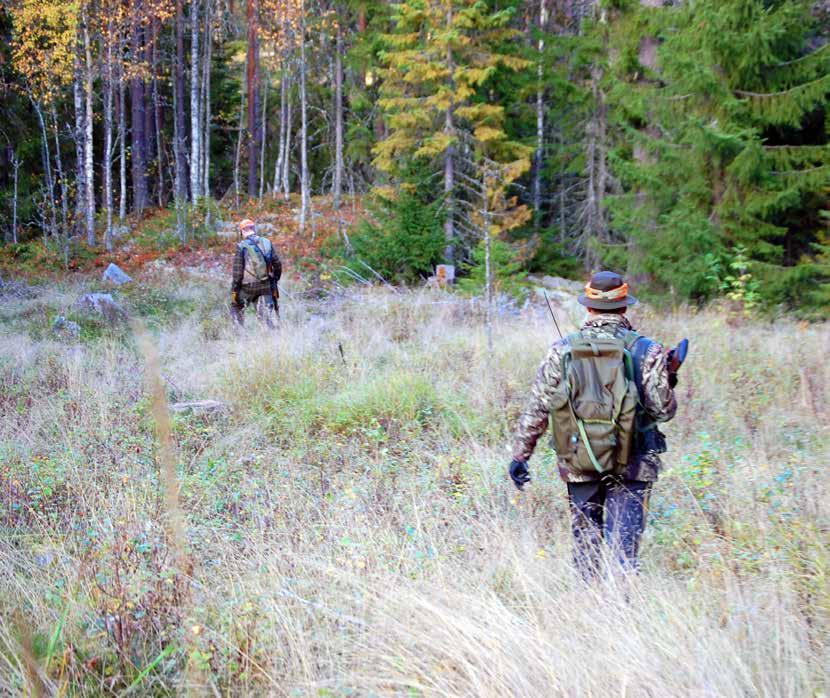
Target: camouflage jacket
261, 287
657, 398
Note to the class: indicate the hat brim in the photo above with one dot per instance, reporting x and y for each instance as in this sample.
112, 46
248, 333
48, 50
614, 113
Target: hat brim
606, 305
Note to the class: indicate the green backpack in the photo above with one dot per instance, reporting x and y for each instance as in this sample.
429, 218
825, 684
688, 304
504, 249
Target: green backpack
595, 405
258, 258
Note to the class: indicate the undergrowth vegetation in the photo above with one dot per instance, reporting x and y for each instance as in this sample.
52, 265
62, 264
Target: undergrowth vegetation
349, 526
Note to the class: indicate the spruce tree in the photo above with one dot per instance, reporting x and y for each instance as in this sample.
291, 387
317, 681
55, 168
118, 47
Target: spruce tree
722, 144
439, 58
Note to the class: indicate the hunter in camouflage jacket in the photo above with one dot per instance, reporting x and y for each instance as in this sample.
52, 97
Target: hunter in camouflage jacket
657, 398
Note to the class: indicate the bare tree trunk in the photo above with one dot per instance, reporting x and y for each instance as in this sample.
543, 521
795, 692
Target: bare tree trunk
449, 154
78, 137
538, 160
488, 267
88, 149
150, 135
281, 143
179, 183
157, 117
139, 140
179, 126
122, 138
337, 187
107, 164
305, 184
562, 180
253, 97
239, 133
15, 168
59, 168
195, 121
47, 167
263, 138
206, 101
286, 160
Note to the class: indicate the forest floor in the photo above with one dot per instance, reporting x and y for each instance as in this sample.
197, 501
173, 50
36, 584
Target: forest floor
151, 241
342, 524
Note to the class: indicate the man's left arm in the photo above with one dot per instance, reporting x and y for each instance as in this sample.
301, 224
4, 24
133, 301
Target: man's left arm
658, 395
276, 264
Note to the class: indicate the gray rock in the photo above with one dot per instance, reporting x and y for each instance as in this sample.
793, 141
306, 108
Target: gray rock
15, 289
120, 231
45, 559
557, 283
200, 408
116, 275
66, 329
102, 304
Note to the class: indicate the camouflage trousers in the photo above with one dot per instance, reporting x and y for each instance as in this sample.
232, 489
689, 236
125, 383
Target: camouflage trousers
259, 297
608, 518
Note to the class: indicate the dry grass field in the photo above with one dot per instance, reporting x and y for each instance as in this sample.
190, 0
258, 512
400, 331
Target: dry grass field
346, 526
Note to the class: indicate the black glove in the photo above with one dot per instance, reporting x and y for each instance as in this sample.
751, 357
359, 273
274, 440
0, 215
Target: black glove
519, 473
672, 380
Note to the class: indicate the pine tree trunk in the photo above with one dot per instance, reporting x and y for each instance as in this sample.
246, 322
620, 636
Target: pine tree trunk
195, 121
139, 140
337, 188
89, 165
253, 98
305, 184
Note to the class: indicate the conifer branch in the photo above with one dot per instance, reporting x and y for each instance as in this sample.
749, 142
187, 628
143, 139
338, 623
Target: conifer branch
792, 90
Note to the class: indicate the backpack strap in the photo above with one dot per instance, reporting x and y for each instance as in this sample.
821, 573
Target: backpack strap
254, 245
565, 361
639, 346
636, 348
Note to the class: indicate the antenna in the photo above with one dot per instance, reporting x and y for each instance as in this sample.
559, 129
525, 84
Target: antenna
553, 317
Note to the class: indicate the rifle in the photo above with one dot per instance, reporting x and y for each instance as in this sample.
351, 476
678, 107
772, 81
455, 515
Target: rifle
275, 289
553, 317
677, 356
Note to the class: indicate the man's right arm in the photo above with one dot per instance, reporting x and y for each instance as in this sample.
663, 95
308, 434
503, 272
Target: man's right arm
238, 270
276, 265
658, 395
534, 419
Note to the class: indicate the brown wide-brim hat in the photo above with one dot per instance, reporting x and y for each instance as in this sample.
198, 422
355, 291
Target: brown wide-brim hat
606, 291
